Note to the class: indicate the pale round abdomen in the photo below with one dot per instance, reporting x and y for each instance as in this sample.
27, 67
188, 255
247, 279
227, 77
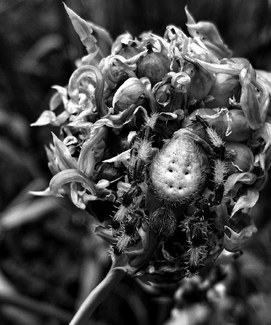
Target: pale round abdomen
177, 171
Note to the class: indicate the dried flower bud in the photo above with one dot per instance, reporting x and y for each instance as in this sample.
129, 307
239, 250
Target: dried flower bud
153, 66
225, 86
125, 46
201, 80
241, 157
127, 94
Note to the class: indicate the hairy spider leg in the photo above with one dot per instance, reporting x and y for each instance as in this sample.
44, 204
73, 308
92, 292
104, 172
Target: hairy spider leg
196, 229
220, 166
128, 211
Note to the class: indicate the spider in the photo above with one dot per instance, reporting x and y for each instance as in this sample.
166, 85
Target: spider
166, 184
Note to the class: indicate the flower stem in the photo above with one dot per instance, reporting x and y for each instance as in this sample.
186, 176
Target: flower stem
97, 295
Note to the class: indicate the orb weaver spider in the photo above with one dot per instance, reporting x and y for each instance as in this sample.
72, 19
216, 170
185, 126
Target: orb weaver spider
166, 194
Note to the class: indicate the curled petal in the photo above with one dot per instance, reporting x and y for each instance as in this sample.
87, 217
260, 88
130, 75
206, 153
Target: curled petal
45, 192
265, 134
95, 76
249, 101
264, 98
227, 257
246, 201
70, 176
122, 157
230, 68
118, 120
190, 21
84, 30
208, 34
116, 68
106, 234
62, 154
47, 117
180, 81
202, 80
236, 241
92, 150
61, 96
128, 93
245, 178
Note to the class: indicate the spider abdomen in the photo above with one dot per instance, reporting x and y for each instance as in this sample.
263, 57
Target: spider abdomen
178, 171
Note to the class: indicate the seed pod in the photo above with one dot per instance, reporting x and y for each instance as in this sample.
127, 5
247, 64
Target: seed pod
130, 92
241, 158
153, 66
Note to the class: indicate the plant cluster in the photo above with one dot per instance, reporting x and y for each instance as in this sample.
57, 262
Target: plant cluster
172, 134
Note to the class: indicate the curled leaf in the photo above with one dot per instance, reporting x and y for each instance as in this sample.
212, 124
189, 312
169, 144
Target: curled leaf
70, 176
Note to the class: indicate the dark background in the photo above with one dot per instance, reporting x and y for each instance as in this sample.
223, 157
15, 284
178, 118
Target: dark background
46, 247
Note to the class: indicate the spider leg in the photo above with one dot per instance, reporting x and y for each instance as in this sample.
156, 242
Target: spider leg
220, 165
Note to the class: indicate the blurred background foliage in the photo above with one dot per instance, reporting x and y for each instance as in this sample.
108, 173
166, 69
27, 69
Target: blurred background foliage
49, 258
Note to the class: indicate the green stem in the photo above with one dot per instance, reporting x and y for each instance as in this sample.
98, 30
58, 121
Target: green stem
97, 295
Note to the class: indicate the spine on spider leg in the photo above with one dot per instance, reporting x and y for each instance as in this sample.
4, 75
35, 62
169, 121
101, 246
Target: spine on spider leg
220, 171
220, 166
